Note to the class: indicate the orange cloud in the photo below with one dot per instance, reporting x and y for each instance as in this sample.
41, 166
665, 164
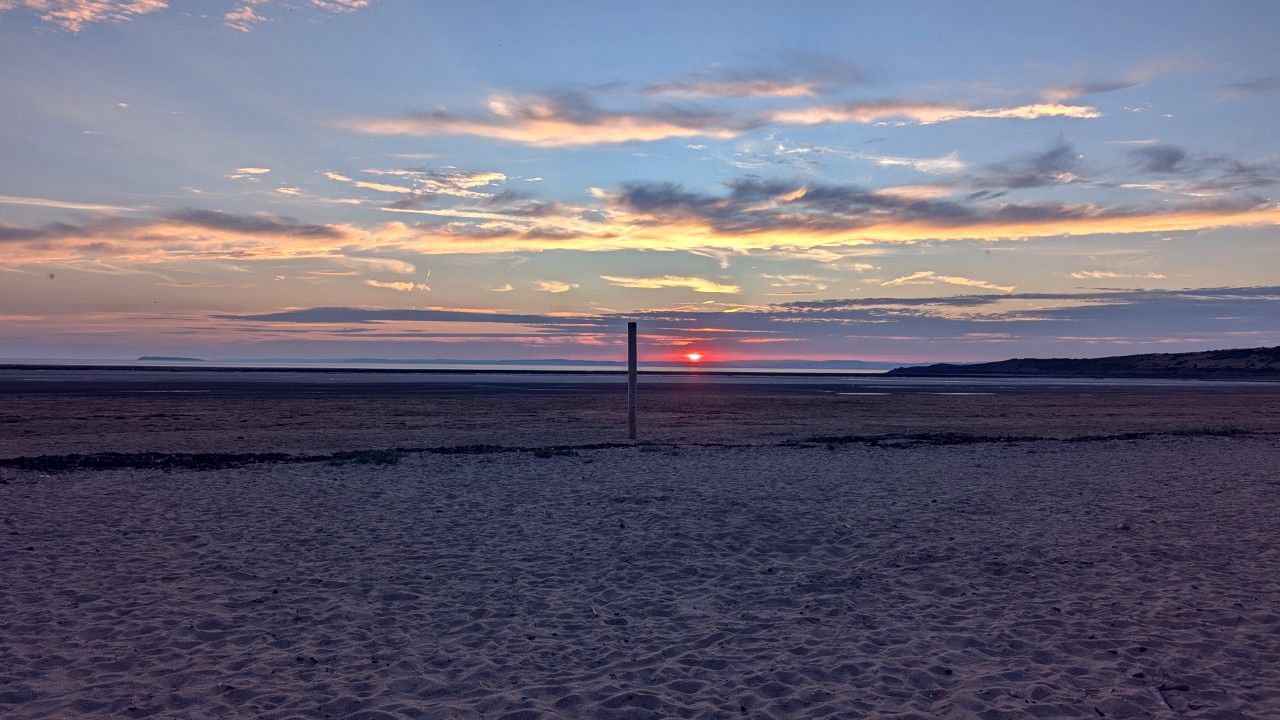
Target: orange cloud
696, 284
929, 277
74, 15
190, 236
923, 113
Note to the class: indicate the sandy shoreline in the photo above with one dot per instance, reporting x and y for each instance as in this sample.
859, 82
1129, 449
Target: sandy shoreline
730, 568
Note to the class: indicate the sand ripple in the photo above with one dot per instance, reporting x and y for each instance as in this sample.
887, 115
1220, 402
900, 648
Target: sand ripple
993, 580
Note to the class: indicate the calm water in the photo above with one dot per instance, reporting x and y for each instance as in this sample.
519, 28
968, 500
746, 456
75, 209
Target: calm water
328, 379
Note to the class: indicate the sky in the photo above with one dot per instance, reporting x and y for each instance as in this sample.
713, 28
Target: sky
409, 179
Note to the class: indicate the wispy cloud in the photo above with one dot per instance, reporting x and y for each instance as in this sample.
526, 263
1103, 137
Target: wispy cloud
369, 185
556, 120
1059, 164
766, 209
929, 277
856, 327
1062, 93
74, 15
1262, 84
247, 15
791, 281
576, 119
341, 6
946, 164
1172, 169
785, 75
811, 220
1111, 275
553, 286
924, 113
60, 204
244, 17
696, 284
252, 174
399, 286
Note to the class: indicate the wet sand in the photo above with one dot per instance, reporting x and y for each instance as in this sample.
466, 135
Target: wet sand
756, 554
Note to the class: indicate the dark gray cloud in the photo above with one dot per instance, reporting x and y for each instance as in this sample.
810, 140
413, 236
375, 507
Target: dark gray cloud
1159, 158
1264, 84
775, 74
756, 205
1202, 174
1173, 311
1064, 92
248, 224
1058, 164
208, 219
1111, 320
521, 205
346, 315
1234, 175
46, 232
577, 109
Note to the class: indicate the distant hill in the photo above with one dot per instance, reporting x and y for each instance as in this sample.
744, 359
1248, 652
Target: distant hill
1254, 363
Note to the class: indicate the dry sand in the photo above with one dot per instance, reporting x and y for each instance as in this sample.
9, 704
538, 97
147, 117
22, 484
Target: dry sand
731, 567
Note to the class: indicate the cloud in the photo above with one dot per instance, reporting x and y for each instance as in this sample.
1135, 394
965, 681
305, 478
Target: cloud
380, 187
933, 166
74, 15
1059, 164
176, 235
556, 120
60, 204
1159, 158
1263, 84
1196, 175
553, 286
846, 214
929, 277
785, 75
696, 284
505, 288
576, 119
245, 17
341, 6
427, 184
1109, 275
924, 113
248, 173
780, 281
249, 224
399, 286
348, 315
988, 325
1063, 93
798, 217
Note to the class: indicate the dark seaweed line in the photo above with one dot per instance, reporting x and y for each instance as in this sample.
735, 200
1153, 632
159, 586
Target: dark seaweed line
937, 439
221, 461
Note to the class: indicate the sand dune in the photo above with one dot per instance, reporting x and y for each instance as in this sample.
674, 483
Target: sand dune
1128, 577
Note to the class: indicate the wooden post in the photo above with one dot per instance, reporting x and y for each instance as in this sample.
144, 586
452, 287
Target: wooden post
631, 380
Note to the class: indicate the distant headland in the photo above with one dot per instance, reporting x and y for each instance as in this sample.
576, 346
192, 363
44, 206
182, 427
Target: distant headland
1252, 363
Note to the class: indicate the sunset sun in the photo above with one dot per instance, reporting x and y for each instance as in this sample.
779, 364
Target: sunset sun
693, 356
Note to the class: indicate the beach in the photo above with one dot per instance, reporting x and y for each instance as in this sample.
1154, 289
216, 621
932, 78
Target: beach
964, 553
